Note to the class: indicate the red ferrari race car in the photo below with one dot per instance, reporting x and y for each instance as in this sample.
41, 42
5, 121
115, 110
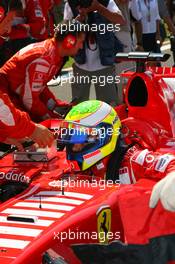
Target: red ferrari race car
50, 214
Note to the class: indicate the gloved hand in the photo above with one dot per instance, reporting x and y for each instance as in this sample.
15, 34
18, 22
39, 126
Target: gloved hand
164, 191
59, 107
42, 136
62, 110
15, 142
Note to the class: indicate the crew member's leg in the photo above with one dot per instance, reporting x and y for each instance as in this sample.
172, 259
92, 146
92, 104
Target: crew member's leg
106, 86
81, 82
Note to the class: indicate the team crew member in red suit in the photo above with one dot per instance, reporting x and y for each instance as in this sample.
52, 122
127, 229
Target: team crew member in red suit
25, 76
28, 22
27, 26
8, 11
16, 125
97, 144
48, 13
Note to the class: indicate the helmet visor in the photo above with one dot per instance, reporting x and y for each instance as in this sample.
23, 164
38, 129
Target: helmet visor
75, 133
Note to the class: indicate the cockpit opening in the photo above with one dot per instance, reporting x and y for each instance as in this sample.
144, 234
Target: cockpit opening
137, 94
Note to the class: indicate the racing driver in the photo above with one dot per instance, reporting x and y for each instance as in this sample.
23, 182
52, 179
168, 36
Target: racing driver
25, 76
97, 145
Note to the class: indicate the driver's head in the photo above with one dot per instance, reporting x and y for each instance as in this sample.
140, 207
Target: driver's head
90, 132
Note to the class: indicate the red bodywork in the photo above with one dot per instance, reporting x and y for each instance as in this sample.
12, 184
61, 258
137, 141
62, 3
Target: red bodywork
62, 210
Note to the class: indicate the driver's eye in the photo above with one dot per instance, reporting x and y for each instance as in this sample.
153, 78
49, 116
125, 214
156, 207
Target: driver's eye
77, 147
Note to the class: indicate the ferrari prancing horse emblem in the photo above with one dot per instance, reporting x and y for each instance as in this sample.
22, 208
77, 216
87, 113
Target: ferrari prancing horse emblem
103, 224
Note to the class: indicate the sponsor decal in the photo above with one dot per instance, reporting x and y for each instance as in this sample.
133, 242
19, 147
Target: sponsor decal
14, 176
37, 87
38, 13
133, 150
37, 9
38, 77
149, 158
100, 166
93, 157
163, 162
124, 176
170, 143
141, 157
103, 224
58, 183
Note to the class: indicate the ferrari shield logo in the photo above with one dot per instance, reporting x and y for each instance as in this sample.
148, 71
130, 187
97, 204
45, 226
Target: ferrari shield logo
103, 224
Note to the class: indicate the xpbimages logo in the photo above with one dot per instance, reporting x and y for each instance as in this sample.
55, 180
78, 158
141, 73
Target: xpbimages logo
102, 28
14, 175
101, 132
85, 236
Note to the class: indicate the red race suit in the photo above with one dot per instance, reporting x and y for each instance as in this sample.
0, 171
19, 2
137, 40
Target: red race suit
30, 22
26, 75
13, 122
149, 234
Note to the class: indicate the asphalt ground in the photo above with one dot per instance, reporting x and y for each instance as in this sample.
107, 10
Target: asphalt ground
63, 91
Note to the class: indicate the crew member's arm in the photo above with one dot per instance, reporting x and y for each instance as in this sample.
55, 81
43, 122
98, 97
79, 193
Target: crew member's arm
68, 15
144, 163
170, 24
54, 105
115, 17
6, 22
158, 37
136, 16
157, 17
113, 14
16, 125
138, 32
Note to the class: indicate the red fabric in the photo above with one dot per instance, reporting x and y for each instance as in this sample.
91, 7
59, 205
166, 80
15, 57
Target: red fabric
28, 72
99, 169
132, 169
140, 222
13, 122
1, 41
121, 111
2, 13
